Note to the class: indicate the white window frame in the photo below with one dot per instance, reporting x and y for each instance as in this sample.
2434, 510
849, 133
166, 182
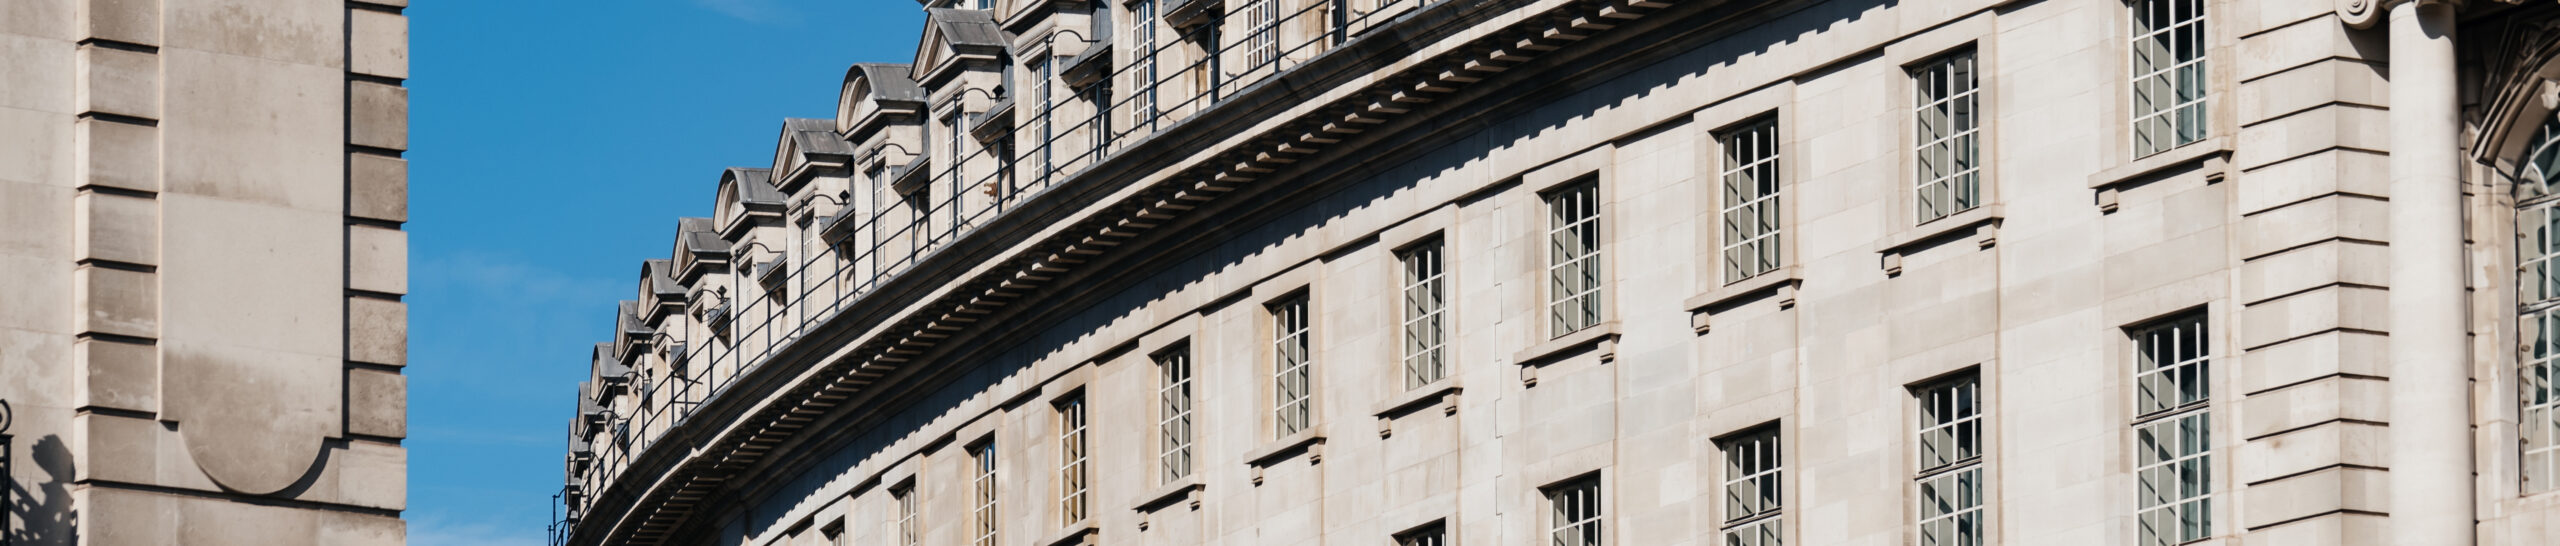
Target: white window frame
2186, 77
1262, 34
905, 498
1174, 430
1750, 177
1950, 492
1142, 37
982, 514
1423, 267
1947, 156
2537, 198
1754, 462
1577, 513
1575, 272
2183, 422
1074, 461
1292, 364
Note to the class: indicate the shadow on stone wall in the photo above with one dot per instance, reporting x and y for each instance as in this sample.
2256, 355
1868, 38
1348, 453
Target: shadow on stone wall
43, 515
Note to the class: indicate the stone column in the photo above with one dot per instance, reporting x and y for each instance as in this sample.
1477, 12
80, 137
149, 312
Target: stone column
2431, 482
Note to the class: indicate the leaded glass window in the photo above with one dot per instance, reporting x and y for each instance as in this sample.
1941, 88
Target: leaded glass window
1293, 369
1950, 441
1425, 312
2173, 432
2170, 78
1948, 119
1573, 258
1751, 211
1752, 501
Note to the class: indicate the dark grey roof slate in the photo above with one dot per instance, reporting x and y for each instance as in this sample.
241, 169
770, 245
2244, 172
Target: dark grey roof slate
816, 137
889, 81
660, 274
755, 185
700, 237
968, 28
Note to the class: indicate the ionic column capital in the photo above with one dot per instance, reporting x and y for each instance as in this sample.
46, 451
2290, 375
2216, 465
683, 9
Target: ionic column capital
2364, 14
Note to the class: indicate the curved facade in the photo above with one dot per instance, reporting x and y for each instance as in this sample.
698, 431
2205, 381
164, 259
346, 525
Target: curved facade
1284, 273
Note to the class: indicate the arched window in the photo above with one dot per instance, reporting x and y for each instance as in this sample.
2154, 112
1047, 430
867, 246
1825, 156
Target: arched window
2538, 306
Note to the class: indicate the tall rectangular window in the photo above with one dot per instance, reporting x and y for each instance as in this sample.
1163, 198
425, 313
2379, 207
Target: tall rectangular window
1100, 95
1573, 258
1262, 34
1751, 211
1751, 498
1072, 487
1949, 141
1950, 473
2169, 75
908, 533
2173, 432
1173, 429
982, 459
2537, 202
1425, 310
1142, 27
1574, 513
1293, 367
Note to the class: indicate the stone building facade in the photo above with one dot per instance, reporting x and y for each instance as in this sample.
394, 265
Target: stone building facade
1587, 272
201, 326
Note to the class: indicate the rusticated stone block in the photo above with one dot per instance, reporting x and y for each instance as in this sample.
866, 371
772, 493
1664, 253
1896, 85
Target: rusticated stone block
129, 21
377, 259
377, 331
378, 115
118, 375
377, 403
118, 81
119, 155
114, 227
116, 301
378, 44
378, 187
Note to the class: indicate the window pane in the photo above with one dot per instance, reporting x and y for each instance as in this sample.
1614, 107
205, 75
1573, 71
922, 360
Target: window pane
1750, 204
2169, 75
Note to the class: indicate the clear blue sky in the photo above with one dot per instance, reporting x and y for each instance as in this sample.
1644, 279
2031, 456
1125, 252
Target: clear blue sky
553, 144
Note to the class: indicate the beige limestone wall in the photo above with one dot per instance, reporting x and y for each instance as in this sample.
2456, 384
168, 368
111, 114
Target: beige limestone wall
204, 331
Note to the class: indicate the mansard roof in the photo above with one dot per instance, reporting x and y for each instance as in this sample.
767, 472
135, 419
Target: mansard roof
872, 93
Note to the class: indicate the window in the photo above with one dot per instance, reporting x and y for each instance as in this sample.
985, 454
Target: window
1071, 460
1751, 211
1142, 18
1951, 492
1574, 512
2169, 74
1950, 129
1436, 534
983, 459
1173, 429
2173, 433
908, 534
2538, 300
1293, 367
1262, 34
1100, 94
1425, 309
1751, 498
834, 533
1047, 111
959, 184
1573, 257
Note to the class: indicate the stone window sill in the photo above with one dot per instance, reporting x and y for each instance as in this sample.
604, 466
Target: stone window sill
1781, 282
1982, 221
1442, 393
1075, 534
1602, 337
1308, 441
2213, 154
1185, 489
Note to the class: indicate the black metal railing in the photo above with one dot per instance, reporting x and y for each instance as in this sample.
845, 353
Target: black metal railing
963, 195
